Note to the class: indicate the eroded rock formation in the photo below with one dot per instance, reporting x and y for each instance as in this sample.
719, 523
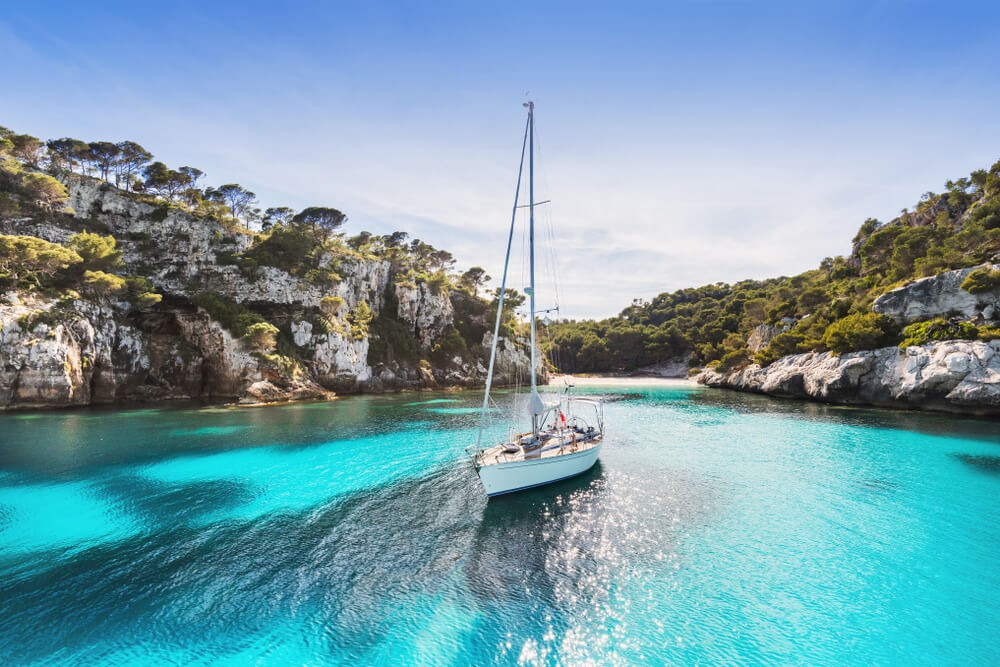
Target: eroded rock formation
954, 376
939, 296
78, 351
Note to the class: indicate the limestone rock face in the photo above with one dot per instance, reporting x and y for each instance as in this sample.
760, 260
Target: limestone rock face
939, 296
364, 281
956, 376
80, 353
339, 361
760, 337
145, 230
428, 313
78, 358
513, 361
227, 366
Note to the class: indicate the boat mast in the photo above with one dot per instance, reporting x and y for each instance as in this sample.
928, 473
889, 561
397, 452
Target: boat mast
503, 290
535, 401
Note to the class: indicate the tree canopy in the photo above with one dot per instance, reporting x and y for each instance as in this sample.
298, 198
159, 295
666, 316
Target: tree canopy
32, 259
99, 253
321, 220
828, 308
235, 196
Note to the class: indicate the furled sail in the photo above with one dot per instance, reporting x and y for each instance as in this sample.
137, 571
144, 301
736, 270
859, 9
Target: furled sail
535, 404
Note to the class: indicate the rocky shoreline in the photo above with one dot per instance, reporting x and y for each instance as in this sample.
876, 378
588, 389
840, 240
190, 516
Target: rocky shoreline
64, 350
58, 355
954, 376
67, 350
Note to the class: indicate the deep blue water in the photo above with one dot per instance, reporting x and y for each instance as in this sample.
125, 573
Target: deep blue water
717, 528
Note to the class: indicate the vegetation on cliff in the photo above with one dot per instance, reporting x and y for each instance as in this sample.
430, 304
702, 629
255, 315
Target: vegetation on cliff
827, 308
82, 258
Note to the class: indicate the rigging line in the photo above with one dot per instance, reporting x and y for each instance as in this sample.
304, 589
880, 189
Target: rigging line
550, 257
523, 257
503, 286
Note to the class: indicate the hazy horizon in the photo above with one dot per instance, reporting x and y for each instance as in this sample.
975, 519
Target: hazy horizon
681, 144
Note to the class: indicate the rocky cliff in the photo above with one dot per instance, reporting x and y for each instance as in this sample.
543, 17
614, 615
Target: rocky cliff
953, 376
940, 296
70, 349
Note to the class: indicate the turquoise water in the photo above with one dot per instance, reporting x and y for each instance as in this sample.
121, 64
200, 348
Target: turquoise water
717, 528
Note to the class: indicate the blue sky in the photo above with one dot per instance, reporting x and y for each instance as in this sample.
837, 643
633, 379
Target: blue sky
682, 143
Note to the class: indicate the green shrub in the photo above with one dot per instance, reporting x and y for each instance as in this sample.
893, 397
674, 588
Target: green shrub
859, 331
471, 318
987, 214
285, 364
234, 317
147, 300
141, 292
331, 305
31, 259
921, 333
51, 318
450, 346
734, 360
44, 191
780, 310
292, 249
227, 258
982, 280
103, 285
438, 282
989, 332
9, 207
99, 253
67, 297
261, 336
359, 320
391, 340
160, 213
811, 299
328, 325
784, 344
286, 343
322, 276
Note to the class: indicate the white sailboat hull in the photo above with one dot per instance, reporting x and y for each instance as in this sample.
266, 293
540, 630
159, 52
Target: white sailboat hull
501, 478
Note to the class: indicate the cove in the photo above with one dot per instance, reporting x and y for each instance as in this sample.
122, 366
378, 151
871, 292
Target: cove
717, 528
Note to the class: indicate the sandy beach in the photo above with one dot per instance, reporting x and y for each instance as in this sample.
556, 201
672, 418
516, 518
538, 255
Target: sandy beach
619, 381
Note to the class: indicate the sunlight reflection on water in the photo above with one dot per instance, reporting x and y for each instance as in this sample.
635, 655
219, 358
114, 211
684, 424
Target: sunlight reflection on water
715, 529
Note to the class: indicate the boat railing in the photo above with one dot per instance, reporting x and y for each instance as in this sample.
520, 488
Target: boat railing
597, 404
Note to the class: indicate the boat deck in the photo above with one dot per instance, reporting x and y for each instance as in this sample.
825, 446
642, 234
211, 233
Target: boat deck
553, 444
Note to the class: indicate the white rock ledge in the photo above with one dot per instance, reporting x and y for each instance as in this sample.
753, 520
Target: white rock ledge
952, 376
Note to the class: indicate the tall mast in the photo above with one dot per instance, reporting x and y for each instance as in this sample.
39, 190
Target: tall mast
535, 402
503, 290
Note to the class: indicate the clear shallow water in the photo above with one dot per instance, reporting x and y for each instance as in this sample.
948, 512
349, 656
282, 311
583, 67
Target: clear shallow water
717, 528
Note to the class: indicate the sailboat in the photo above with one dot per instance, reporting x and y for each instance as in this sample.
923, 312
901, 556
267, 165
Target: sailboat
566, 434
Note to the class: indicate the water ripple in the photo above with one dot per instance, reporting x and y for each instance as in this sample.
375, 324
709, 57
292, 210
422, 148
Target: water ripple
714, 530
